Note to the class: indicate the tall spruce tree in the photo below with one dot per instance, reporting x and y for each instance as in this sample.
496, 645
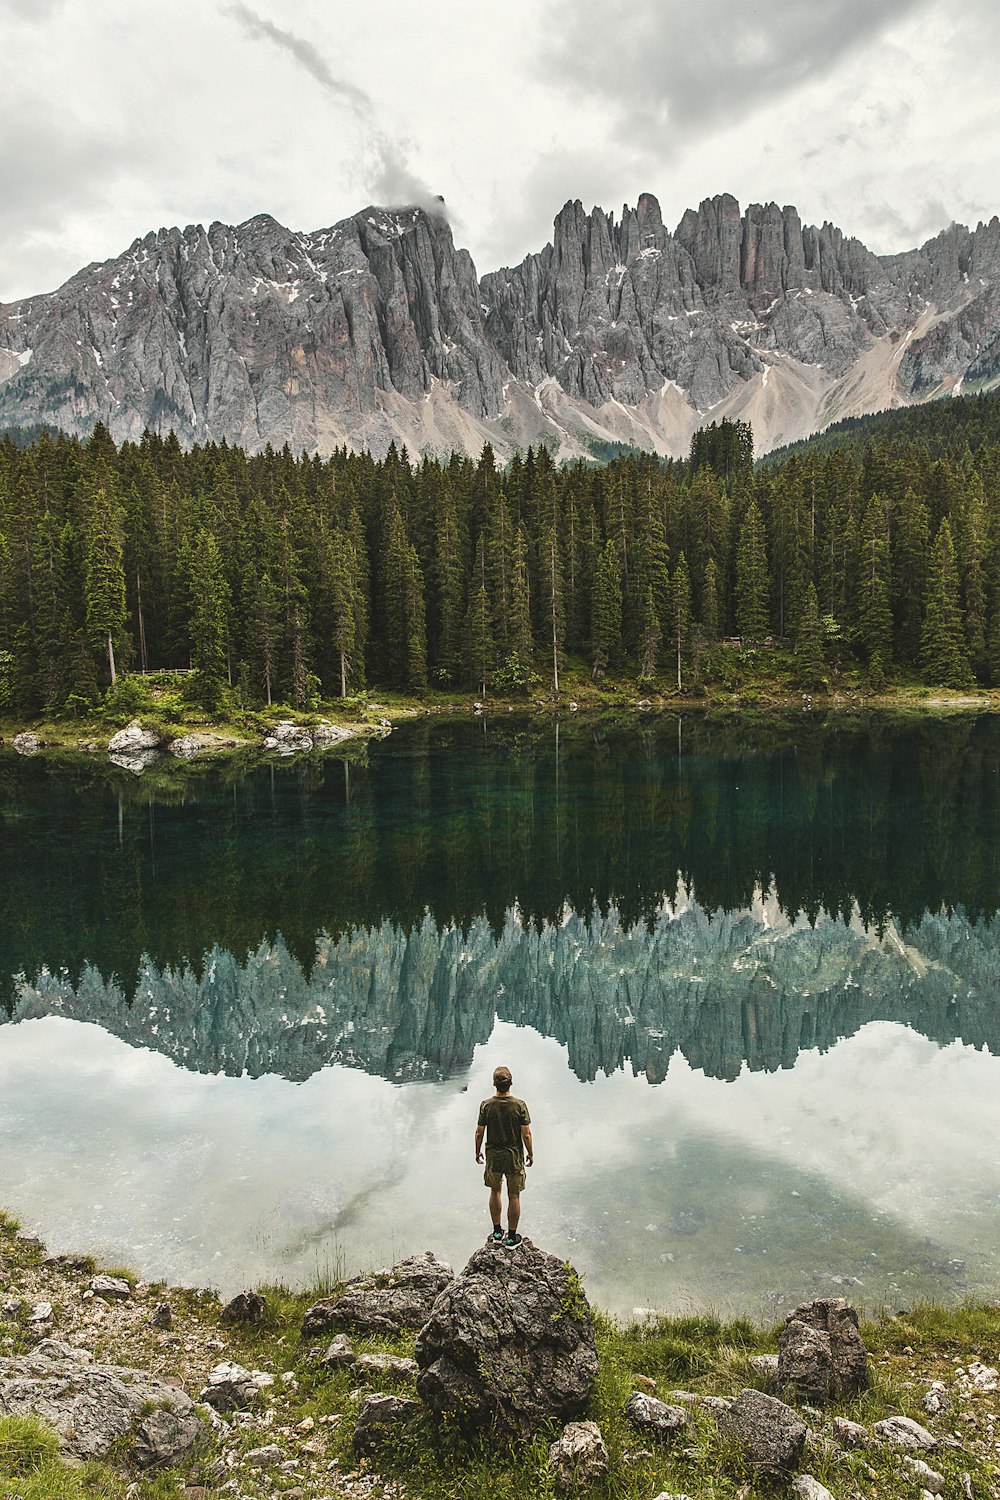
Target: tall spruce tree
943, 654
752, 581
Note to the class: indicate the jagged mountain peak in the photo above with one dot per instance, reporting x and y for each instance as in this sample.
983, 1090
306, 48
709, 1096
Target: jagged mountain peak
377, 328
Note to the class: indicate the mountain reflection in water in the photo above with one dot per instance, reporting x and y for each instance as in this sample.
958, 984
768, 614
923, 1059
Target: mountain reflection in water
750, 987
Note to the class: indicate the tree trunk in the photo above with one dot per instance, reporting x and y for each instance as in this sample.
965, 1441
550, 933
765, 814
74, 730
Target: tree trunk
111, 660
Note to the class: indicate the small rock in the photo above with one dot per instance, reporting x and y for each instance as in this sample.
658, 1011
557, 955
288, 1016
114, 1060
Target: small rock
937, 1399
41, 1313
766, 1367
230, 1387
245, 1307
903, 1432
111, 1288
187, 746
264, 1458
162, 1316
984, 1377
26, 744
11, 1307
386, 1364
852, 1434
655, 1418
339, 1352
925, 1475
306, 1425
326, 733
579, 1456
643, 1383
808, 1488
771, 1434
379, 1420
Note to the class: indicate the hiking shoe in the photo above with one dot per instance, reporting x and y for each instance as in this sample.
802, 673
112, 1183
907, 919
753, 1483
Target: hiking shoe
497, 1236
512, 1240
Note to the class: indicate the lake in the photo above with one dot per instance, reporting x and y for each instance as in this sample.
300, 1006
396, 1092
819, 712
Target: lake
746, 978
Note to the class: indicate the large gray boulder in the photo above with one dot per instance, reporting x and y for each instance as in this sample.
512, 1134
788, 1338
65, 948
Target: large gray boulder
386, 1302
93, 1407
820, 1354
771, 1435
509, 1345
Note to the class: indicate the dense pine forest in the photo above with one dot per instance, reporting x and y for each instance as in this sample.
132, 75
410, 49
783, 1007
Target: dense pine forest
293, 579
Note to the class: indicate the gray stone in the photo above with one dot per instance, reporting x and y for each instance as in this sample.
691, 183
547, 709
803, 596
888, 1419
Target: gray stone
766, 1367
266, 1457
111, 1288
852, 1434
93, 1407
579, 1455
771, 1435
653, 1418
187, 746
339, 1352
245, 1307
387, 1302
509, 1344
133, 739
904, 1432
820, 1354
325, 733
808, 1488
162, 1316
380, 1418
924, 1474
41, 1313
26, 744
937, 1399
230, 1387
377, 1365
288, 738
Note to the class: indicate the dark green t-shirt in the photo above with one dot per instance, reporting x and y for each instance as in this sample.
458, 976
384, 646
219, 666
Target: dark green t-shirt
503, 1118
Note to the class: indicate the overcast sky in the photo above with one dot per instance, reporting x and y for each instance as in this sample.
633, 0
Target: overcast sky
121, 116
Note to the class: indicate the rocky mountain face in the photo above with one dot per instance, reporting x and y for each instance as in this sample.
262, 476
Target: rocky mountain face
377, 329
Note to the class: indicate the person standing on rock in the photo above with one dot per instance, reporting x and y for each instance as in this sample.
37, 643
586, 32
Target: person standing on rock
506, 1124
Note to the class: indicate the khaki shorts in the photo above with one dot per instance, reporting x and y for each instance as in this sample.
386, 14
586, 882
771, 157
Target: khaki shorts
515, 1180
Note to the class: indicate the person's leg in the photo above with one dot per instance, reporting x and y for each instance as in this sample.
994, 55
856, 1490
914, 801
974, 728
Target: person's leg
513, 1210
496, 1206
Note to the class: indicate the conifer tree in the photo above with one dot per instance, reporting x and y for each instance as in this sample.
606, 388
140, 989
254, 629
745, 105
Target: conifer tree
873, 611
479, 643
650, 637
809, 641
942, 641
208, 629
752, 581
104, 576
680, 612
606, 611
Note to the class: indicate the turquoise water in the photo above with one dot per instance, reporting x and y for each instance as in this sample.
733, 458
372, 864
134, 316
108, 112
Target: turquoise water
747, 981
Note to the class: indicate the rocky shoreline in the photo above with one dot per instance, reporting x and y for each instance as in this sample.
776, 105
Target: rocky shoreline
386, 1386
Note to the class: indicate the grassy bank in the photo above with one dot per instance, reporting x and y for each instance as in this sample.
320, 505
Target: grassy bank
308, 1411
749, 684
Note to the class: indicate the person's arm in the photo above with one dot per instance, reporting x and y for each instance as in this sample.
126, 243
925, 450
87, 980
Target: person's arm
526, 1139
480, 1132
